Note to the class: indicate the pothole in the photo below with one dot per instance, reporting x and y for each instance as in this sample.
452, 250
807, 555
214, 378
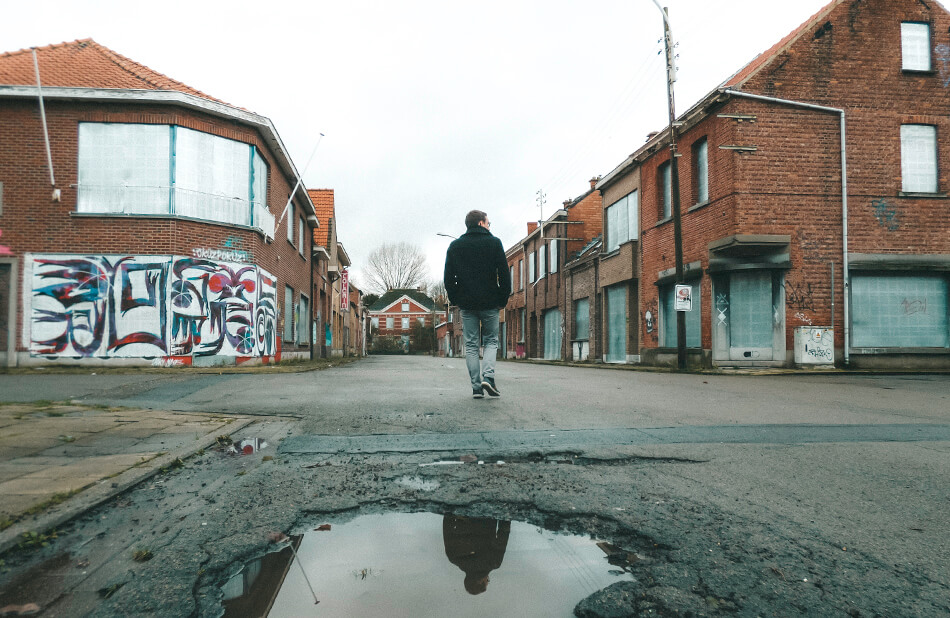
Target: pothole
425, 564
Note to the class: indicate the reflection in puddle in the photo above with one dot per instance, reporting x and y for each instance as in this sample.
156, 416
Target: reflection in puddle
423, 564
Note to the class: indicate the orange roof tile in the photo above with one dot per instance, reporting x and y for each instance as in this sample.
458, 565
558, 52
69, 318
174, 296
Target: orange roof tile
323, 205
764, 58
85, 64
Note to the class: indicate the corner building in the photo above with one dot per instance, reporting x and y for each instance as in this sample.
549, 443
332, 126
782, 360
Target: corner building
156, 231
813, 190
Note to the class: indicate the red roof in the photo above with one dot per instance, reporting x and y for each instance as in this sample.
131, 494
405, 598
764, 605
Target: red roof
323, 205
770, 54
85, 64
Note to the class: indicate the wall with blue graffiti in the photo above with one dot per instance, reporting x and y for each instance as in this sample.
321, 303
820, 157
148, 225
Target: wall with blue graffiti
127, 306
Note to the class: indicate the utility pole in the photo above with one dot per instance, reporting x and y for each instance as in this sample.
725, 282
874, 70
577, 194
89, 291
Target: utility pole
674, 186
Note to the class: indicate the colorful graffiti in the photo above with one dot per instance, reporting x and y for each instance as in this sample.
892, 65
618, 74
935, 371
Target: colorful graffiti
149, 306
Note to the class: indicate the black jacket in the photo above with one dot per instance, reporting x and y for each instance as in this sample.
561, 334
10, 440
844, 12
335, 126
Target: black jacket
476, 271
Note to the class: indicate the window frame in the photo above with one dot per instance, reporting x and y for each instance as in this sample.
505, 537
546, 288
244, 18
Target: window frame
700, 168
907, 39
390, 322
911, 178
631, 231
553, 265
664, 183
531, 263
542, 260
290, 314
404, 323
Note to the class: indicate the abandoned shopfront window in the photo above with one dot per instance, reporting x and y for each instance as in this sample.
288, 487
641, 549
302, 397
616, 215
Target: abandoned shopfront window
303, 320
582, 319
149, 169
748, 311
919, 158
616, 324
552, 334
668, 317
900, 311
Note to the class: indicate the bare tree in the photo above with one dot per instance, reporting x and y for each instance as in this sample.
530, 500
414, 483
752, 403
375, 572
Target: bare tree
438, 294
395, 265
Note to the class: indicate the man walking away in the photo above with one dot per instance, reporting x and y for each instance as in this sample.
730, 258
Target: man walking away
477, 281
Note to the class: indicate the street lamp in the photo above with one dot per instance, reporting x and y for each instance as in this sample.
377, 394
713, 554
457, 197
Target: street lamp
674, 186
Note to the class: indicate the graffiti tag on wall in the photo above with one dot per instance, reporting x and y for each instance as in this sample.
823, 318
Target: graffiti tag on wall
886, 214
145, 306
799, 296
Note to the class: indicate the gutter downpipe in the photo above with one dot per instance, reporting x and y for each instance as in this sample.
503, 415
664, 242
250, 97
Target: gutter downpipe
39, 93
846, 290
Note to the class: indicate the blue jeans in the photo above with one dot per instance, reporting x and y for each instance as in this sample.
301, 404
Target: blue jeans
484, 323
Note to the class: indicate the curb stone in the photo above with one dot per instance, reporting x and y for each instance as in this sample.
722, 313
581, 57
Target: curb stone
102, 491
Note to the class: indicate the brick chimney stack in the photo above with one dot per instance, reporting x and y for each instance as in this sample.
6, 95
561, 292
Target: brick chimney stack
532, 226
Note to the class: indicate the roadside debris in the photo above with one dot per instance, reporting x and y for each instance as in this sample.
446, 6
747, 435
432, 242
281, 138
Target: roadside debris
247, 446
322, 528
29, 609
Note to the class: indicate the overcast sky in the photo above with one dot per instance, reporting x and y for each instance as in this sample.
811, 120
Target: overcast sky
431, 109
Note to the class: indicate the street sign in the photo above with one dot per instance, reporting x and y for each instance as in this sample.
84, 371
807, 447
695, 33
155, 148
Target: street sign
683, 298
345, 291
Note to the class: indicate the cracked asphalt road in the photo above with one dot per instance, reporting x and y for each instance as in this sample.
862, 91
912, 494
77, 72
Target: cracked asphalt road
753, 495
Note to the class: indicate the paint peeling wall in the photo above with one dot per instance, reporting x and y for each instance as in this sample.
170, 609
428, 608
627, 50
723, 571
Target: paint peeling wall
147, 306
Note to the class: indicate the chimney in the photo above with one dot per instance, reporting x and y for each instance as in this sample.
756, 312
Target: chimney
594, 181
652, 134
532, 226
567, 203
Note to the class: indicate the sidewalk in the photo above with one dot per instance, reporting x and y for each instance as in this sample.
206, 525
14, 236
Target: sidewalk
59, 460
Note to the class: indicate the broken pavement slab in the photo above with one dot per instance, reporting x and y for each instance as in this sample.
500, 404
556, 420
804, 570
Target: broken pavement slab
59, 460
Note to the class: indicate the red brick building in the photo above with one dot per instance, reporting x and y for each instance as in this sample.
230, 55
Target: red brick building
814, 196
397, 313
155, 230
539, 315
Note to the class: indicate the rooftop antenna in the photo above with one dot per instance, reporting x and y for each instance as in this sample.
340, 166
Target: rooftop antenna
541, 199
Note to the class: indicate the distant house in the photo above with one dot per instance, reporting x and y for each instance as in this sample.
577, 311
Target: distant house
397, 311
152, 228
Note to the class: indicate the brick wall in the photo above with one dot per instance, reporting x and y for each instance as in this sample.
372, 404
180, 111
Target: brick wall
31, 222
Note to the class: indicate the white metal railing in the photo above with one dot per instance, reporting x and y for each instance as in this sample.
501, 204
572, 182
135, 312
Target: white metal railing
155, 200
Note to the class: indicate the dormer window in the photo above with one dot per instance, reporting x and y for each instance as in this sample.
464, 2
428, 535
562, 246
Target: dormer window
915, 46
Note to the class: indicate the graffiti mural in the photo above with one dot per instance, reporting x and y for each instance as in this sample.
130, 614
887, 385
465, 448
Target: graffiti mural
149, 306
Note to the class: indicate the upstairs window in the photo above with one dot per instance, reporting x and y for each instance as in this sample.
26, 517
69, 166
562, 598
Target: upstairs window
701, 171
623, 218
554, 244
664, 181
147, 169
405, 323
511, 276
520, 274
542, 261
531, 267
290, 225
919, 158
405, 307
915, 46
390, 322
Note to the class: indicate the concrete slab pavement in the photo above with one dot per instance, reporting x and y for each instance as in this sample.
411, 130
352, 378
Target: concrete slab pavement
58, 460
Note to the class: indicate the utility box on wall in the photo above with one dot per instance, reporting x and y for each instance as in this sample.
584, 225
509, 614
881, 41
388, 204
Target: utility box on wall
814, 345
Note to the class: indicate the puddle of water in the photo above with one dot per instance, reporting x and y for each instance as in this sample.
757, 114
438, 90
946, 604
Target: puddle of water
423, 564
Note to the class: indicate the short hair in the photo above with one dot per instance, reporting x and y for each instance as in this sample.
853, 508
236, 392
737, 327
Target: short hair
474, 217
